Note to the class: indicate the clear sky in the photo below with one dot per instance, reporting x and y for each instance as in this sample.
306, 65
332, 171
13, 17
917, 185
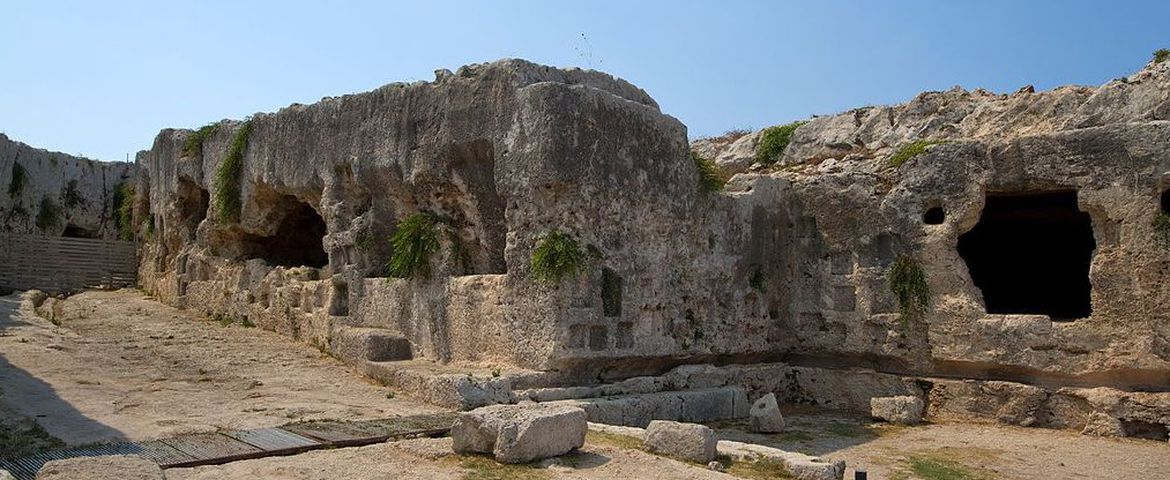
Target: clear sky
100, 78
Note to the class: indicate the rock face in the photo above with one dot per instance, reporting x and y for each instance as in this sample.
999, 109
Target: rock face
685, 441
898, 238
765, 416
520, 434
902, 410
55, 194
114, 467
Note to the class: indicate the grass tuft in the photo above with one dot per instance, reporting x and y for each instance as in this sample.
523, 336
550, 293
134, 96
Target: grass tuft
556, 257
711, 179
1162, 230
227, 201
773, 141
758, 468
928, 468
480, 467
614, 440
757, 281
19, 180
124, 210
908, 282
1161, 55
193, 146
411, 246
911, 150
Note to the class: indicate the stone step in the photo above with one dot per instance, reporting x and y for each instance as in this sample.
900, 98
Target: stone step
356, 344
637, 410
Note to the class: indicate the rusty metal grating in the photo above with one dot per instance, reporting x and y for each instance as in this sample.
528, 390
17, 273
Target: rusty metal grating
207, 446
217, 448
272, 439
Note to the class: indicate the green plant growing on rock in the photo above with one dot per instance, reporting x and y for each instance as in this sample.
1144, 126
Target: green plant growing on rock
71, 195
908, 282
227, 201
414, 241
49, 214
1161, 226
773, 141
711, 179
556, 257
757, 281
1161, 55
19, 180
193, 146
910, 150
124, 210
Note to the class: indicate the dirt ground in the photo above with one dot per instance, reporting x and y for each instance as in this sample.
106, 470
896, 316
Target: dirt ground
959, 451
123, 367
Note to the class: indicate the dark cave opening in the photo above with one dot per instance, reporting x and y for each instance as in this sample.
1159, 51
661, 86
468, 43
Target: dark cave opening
74, 231
1166, 202
297, 241
1030, 254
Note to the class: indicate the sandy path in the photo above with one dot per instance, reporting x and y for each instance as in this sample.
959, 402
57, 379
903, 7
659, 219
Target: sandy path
123, 367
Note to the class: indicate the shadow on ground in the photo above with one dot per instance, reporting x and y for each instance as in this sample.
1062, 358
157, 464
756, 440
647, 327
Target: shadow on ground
30, 409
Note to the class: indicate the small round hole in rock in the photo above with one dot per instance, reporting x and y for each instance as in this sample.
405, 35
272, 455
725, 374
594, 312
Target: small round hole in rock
934, 216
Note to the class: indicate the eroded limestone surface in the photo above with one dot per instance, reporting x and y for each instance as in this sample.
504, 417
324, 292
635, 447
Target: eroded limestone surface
1052, 194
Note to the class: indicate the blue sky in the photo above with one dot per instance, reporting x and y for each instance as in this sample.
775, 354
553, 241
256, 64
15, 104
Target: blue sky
100, 78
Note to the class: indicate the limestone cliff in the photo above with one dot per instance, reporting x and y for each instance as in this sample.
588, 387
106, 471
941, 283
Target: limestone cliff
55, 194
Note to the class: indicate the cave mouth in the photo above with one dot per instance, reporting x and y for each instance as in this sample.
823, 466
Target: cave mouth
1030, 254
297, 241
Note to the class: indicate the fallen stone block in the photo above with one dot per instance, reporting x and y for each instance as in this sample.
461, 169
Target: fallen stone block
685, 441
765, 415
113, 467
520, 433
799, 465
903, 410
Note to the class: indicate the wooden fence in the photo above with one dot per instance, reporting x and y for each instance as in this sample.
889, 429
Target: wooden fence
56, 264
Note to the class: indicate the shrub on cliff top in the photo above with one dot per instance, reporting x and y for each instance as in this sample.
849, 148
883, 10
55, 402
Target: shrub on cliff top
194, 144
773, 141
227, 200
710, 178
556, 257
411, 246
1161, 55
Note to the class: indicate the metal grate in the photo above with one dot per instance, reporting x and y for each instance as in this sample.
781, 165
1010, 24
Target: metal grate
272, 439
218, 448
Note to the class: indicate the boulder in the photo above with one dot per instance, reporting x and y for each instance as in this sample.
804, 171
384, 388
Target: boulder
520, 433
765, 415
1103, 425
5, 475
904, 409
685, 441
113, 467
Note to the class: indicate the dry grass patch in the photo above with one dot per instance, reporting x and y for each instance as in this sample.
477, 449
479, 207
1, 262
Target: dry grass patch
478, 467
613, 440
758, 468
